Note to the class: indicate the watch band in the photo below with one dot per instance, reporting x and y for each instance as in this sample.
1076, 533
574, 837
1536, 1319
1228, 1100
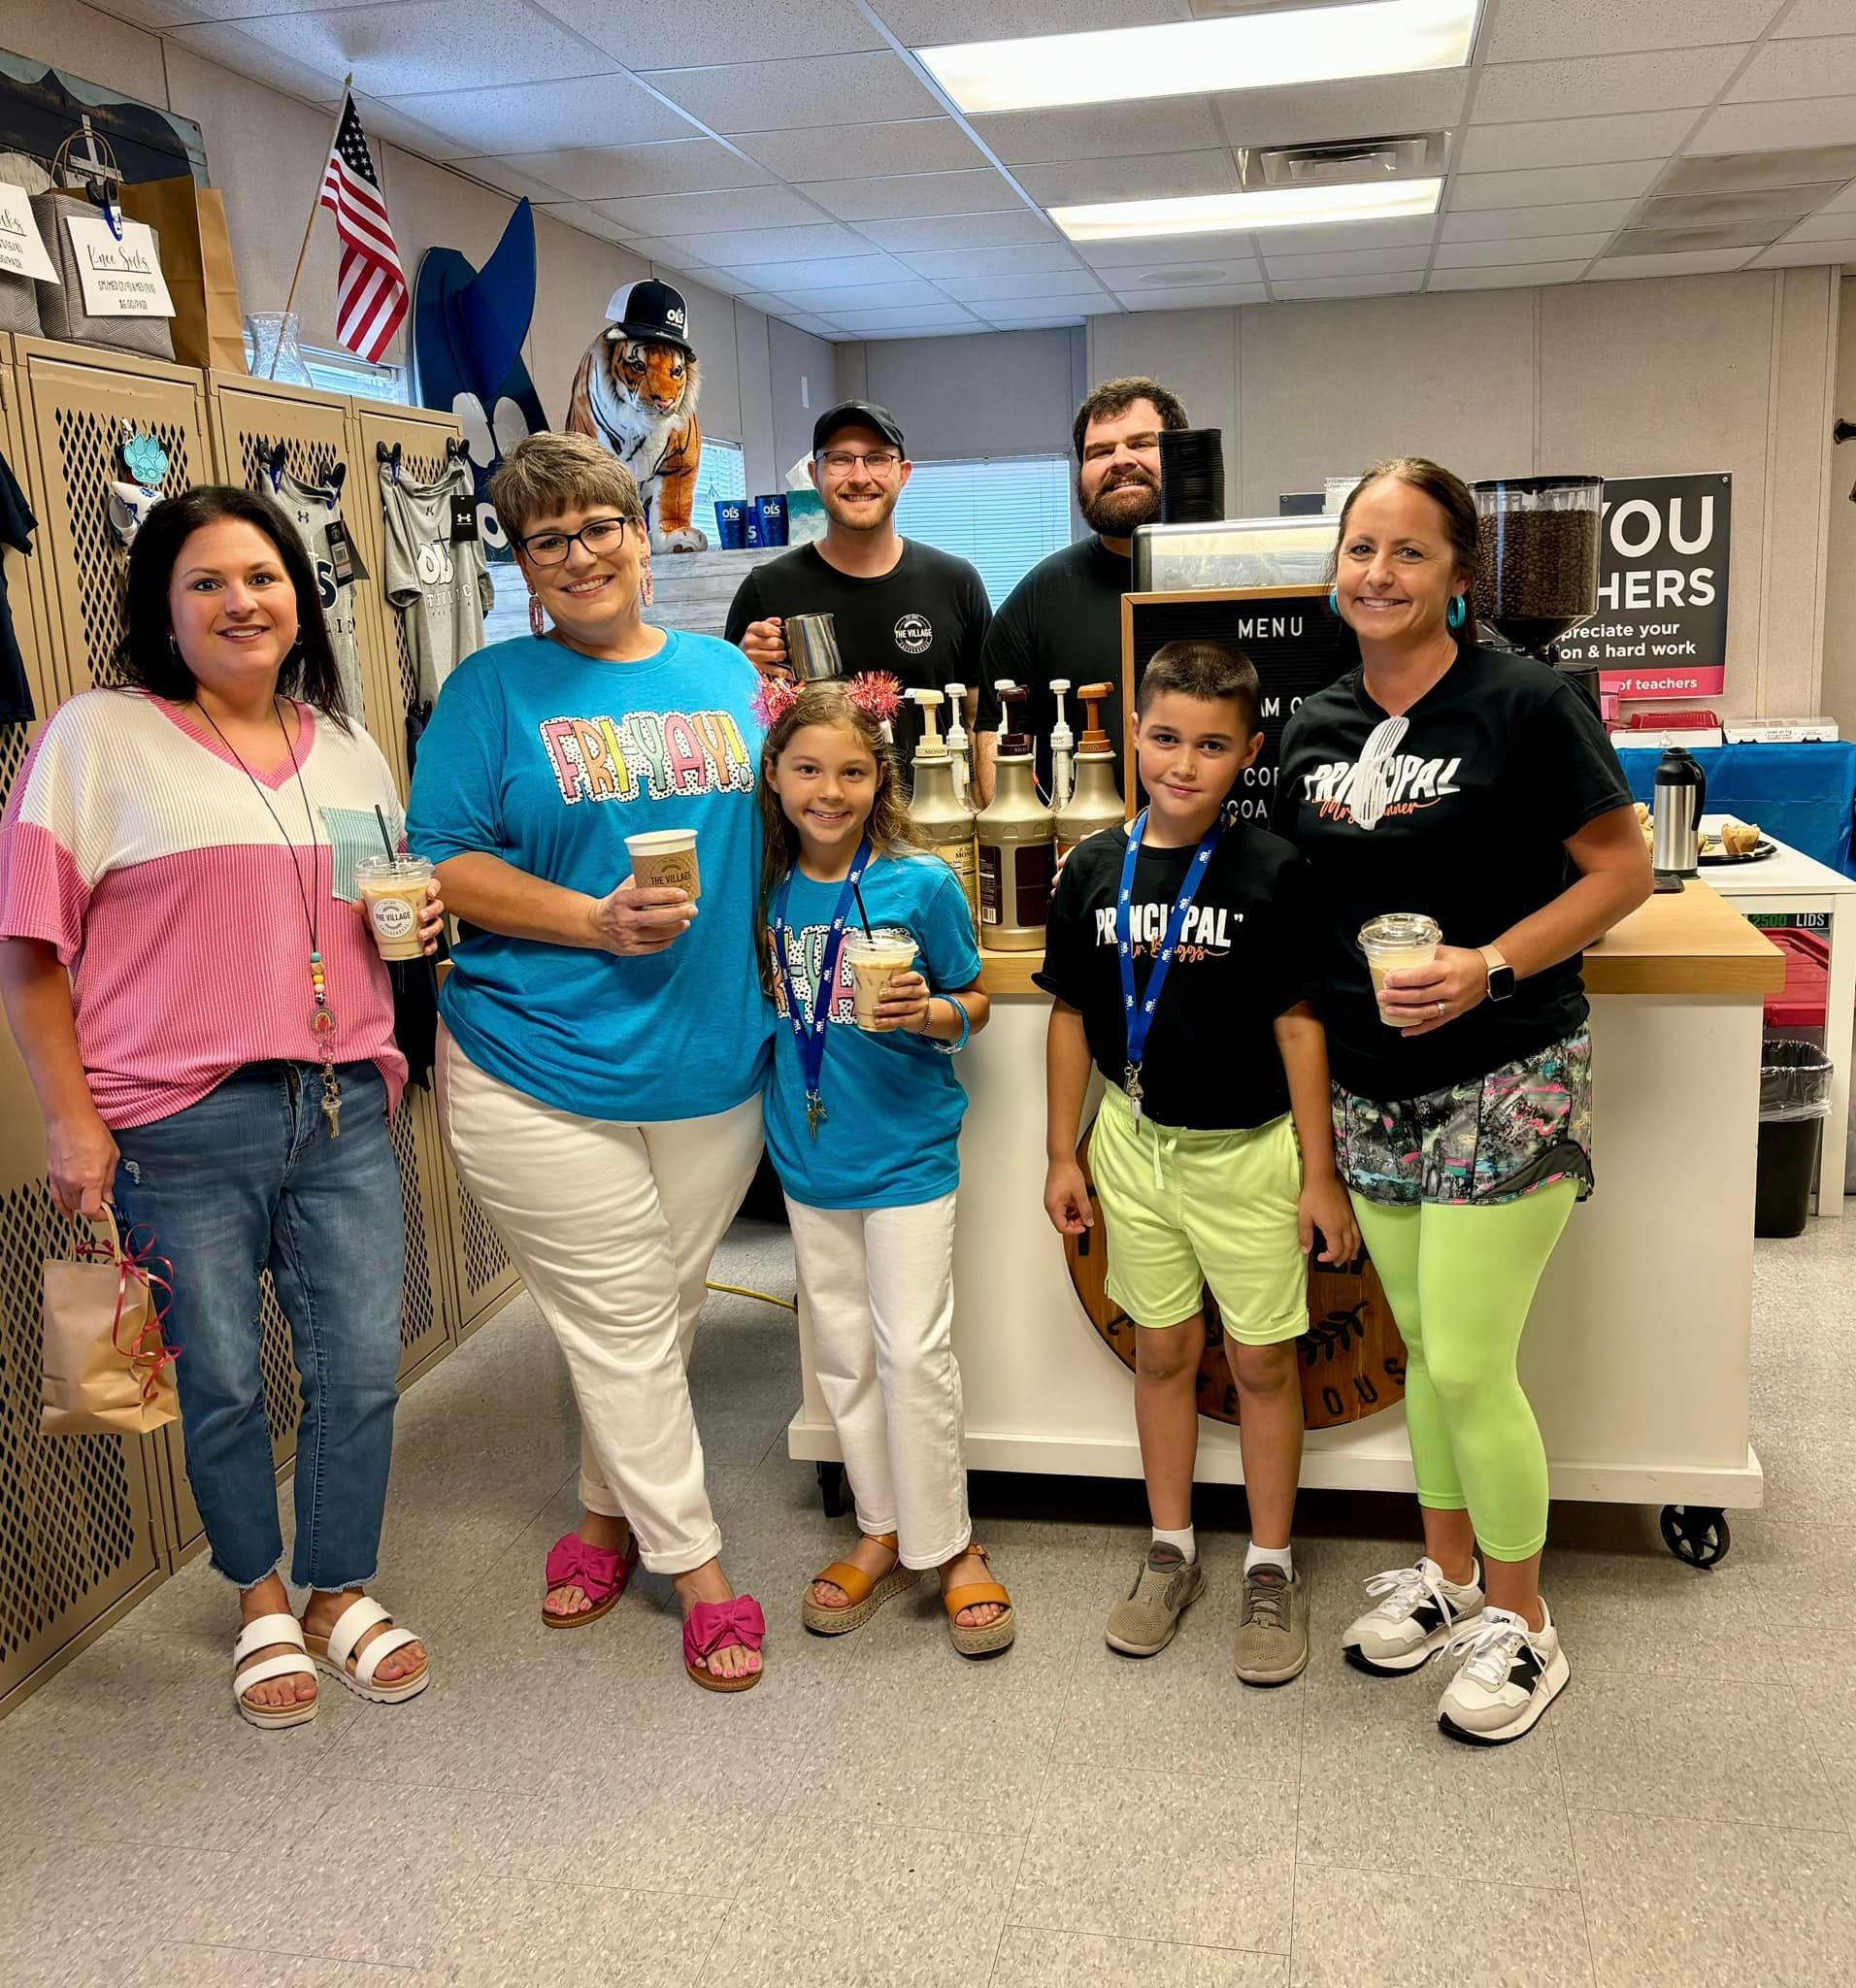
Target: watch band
1501, 980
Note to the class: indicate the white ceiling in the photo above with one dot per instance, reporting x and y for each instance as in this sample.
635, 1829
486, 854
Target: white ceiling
798, 156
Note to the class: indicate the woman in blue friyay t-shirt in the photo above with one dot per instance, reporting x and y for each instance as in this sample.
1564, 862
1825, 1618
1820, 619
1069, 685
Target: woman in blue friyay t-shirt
605, 1046
863, 1124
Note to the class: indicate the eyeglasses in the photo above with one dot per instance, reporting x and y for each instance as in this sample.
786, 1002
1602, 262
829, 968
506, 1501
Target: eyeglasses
880, 462
599, 535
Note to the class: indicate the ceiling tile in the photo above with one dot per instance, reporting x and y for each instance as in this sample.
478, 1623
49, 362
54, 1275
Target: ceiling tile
1704, 262
1820, 68
1412, 231
1535, 249
1197, 297
718, 30
696, 213
1003, 320
921, 316
1069, 309
941, 262
513, 117
379, 120
852, 270
788, 96
817, 327
1493, 224
1523, 92
233, 48
1219, 248
768, 301
1552, 185
904, 196
1846, 201
1101, 131
1360, 107
1221, 271
1343, 262
1572, 141
1640, 241
505, 179
1347, 286
1763, 127
1823, 227
729, 247
1814, 18
1715, 209
428, 45
961, 231
623, 172
941, 23
825, 299
1751, 172
1601, 27
1163, 175
1511, 276
907, 144
577, 215
979, 289
1806, 254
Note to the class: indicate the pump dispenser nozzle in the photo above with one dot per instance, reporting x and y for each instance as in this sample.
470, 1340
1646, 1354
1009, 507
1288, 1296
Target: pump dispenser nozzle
958, 736
930, 745
1062, 744
1090, 696
1015, 743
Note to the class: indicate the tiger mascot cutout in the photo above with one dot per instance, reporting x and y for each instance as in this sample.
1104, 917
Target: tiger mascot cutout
635, 393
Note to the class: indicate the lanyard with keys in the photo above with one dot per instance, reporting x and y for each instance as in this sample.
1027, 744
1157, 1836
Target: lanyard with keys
1140, 1014
809, 1029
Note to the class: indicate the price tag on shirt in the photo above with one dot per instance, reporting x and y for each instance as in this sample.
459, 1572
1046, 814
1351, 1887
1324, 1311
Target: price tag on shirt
23, 250
463, 517
345, 562
120, 277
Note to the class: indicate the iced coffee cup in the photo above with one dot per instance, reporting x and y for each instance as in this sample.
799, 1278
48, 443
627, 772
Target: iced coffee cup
1394, 942
665, 859
393, 892
875, 959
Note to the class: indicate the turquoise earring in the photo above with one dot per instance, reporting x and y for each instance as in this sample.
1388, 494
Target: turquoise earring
1459, 611
1334, 602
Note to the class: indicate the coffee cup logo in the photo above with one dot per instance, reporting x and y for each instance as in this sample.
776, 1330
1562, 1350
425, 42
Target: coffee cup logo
392, 916
914, 634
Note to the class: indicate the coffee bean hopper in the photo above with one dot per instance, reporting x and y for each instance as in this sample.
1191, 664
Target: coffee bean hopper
1539, 575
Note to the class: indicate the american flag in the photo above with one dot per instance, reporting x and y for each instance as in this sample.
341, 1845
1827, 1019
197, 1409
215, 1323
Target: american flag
370, 288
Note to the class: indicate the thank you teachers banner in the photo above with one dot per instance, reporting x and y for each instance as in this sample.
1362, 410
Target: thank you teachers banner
1661, 626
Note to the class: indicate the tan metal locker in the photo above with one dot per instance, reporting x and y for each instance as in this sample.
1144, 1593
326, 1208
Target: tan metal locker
81, 1517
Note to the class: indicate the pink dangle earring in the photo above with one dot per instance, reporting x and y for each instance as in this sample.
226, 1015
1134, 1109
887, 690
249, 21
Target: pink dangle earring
537, 620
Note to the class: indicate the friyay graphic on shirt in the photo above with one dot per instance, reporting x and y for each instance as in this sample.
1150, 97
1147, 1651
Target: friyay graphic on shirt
1208, 932
805, 956
1383, 781
656, 754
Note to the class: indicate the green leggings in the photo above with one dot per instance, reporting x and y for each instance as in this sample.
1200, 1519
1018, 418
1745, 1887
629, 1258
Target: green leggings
1460, 1280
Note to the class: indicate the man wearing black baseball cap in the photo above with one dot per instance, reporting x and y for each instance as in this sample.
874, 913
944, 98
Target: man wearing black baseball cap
899, 605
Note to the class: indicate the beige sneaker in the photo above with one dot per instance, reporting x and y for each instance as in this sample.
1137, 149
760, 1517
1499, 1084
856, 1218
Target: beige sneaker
1144, 1622
1273, 1632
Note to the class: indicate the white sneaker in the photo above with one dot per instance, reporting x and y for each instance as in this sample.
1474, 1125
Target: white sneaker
1511, 1674
1420, 1613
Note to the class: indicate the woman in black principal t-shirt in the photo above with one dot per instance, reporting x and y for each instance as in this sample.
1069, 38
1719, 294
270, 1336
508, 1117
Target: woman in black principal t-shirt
1478, 788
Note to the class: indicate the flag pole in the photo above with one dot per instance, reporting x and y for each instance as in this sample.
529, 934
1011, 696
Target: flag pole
302, 254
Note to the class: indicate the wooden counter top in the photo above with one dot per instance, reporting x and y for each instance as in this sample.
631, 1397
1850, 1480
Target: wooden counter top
1695, 943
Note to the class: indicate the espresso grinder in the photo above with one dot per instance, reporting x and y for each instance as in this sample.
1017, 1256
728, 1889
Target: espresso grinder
1538, 577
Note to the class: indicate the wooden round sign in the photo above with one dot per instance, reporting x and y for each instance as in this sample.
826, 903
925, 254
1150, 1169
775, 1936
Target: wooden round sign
1352, 1357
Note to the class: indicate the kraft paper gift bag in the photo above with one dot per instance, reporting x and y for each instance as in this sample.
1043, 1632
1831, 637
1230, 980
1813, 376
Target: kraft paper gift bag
107, 1370
208, 325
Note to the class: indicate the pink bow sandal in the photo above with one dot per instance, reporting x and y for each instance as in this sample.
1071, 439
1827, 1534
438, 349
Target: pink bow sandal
599, 1573
712, 1626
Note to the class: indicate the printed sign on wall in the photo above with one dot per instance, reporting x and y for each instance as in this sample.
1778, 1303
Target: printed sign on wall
1661, 626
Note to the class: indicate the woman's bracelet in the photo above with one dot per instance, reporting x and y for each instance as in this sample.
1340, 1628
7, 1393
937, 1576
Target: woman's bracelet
966, 1027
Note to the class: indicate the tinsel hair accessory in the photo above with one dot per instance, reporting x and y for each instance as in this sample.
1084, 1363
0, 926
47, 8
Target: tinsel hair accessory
876, 694
773, 699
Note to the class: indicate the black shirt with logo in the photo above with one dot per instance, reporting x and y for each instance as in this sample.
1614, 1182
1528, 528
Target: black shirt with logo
1460, 809
1211, 1062
924, 620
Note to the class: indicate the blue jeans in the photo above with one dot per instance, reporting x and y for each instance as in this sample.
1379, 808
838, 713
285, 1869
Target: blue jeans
249, 1178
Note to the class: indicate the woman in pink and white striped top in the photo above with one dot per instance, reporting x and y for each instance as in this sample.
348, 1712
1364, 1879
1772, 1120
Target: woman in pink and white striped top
209, 1030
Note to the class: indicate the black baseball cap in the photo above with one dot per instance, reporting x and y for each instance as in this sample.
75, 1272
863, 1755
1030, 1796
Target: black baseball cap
856, 414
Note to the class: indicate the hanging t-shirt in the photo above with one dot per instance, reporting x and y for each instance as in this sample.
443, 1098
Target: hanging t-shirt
1062, 620
550, 759
17, 526
309, 507
1462, 811
893, 1102
136, 845
924, 621
1212, 1061
442, 586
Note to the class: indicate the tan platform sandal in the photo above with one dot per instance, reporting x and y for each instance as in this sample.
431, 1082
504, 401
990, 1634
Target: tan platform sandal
863, 1596
990, 1638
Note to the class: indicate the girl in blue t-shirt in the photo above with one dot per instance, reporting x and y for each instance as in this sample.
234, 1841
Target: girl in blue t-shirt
863, 1123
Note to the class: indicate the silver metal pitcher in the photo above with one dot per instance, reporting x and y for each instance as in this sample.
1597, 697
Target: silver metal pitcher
1680, 800
811, 648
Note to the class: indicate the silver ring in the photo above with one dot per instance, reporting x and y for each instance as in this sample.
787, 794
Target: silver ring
1440, 1011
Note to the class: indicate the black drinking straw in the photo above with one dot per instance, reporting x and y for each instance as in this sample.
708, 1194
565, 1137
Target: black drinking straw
392, 854
862, 913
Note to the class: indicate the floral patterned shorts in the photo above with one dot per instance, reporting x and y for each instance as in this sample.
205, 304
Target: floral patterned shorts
1490, 1140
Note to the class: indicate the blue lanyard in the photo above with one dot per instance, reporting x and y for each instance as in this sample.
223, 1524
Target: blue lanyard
1140, 1016
809, 1029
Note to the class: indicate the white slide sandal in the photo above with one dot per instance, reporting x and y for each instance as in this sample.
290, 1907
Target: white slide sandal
332, 1654
296, 1663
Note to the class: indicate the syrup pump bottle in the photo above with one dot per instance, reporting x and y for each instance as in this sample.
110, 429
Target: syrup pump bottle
1063, 741
937, 810
956, 740
1095, 801
1017, 844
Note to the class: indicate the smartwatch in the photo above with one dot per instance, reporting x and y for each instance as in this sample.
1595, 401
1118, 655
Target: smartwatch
1501, 975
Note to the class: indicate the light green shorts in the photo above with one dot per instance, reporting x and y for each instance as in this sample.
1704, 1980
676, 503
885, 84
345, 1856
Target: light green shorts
1184, 1210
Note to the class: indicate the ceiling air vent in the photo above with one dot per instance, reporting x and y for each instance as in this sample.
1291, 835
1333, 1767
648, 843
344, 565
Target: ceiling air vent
1348, 162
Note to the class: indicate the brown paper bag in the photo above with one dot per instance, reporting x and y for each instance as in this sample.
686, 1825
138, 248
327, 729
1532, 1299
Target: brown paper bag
196, 258
105, 1369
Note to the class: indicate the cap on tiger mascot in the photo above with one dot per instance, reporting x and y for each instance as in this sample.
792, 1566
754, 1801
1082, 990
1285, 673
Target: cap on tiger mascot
635, 393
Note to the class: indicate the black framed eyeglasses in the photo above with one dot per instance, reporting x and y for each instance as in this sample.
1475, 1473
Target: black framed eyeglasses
599, 535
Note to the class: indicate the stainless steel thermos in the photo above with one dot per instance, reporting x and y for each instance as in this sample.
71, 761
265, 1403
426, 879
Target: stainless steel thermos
1680, 800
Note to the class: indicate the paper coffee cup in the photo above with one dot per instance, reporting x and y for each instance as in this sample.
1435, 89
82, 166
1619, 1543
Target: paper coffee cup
665, 859
875, 959
1393, 943
393, 890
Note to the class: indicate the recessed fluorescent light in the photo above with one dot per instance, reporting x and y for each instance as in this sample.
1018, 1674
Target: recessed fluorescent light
1195, 57
1212, 214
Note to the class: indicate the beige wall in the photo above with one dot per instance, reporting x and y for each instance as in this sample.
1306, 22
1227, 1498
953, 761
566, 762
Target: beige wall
997, 393
1840, 604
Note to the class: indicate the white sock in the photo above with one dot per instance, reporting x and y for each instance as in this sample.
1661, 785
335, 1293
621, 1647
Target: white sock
1255, 1556
1184, 1538
1451, 1587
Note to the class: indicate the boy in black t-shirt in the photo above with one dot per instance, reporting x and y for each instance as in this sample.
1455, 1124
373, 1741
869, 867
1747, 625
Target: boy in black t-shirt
1217, 1101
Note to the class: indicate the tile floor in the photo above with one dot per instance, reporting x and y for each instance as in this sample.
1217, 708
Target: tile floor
566, 1808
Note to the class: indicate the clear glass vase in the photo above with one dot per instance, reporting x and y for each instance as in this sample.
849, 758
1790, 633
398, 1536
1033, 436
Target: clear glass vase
271, 350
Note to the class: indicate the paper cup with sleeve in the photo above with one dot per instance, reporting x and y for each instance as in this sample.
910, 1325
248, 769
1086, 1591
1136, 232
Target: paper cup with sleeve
665, 859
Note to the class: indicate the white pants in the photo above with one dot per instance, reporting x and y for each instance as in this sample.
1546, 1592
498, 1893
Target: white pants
612, 1226
877, 1287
